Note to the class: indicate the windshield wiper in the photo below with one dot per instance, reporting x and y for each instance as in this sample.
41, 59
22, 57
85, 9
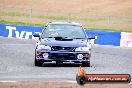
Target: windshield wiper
60, 37
50, 37
63, 38
78, 38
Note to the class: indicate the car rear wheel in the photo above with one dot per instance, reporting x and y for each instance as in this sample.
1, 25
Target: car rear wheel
86, 64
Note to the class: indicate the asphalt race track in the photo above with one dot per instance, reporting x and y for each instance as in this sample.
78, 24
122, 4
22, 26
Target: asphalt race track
17, 62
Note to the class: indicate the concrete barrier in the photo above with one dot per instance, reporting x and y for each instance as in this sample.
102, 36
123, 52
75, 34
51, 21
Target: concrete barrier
126, 39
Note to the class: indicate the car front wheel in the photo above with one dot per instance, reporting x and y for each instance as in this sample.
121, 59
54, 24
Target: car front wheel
38, 63
86, 64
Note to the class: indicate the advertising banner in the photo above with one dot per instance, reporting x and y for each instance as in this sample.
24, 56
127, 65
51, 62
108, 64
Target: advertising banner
26, 32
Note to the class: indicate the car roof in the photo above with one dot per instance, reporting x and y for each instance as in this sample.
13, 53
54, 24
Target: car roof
67, 23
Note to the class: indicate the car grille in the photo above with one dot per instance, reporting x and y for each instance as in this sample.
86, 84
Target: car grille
63, 56
55, 48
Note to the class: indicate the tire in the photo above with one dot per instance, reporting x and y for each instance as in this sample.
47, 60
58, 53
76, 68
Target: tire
57, 62
86, 64
38, 63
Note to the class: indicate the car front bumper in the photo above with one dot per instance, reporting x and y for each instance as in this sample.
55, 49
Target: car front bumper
62, 56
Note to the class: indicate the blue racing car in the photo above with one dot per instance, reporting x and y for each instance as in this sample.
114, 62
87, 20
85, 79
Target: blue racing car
63, 42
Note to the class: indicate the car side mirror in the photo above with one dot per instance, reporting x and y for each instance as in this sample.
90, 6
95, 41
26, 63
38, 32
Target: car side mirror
36, 35
93, 37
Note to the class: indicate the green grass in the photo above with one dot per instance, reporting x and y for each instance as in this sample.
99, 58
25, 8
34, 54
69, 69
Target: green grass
51, 17
19, 14
110, 29
86, 19
20, 23
13, 14
96, 19
93, 28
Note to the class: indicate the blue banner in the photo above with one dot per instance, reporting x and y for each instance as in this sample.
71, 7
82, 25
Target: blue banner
105, 37
26, 32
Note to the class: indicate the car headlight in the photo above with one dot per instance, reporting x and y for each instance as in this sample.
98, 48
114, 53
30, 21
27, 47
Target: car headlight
45, 55
82, 49
44, 47
80, 56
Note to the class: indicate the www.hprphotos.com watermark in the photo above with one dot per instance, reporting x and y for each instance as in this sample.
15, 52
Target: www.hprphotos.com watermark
83, 78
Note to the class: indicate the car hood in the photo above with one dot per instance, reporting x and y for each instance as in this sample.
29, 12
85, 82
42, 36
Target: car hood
73, 43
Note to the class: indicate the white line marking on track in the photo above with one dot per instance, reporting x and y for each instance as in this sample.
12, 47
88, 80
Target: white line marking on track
17, 44
69, 81
7, 81
62, 81
130, 83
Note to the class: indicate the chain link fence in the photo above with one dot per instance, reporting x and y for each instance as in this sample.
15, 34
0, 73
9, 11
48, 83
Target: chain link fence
39, 16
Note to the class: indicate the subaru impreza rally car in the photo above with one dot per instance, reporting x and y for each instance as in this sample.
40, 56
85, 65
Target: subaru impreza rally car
63, 42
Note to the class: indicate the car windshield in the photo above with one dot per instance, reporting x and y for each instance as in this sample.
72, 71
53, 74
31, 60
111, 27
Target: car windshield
63, 30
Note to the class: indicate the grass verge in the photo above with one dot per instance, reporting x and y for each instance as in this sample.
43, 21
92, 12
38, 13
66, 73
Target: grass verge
91, 28
20, 23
